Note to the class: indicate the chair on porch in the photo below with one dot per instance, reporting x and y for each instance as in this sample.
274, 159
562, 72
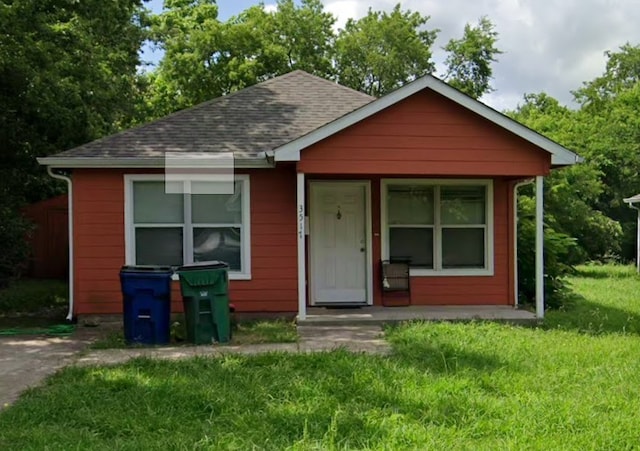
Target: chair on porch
396, 286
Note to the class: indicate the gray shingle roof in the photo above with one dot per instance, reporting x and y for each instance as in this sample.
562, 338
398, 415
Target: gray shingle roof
248, 122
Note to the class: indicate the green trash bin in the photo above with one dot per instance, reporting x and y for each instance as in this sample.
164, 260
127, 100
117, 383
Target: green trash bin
205, 294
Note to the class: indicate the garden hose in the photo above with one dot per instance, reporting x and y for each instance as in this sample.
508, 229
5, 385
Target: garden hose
58, 330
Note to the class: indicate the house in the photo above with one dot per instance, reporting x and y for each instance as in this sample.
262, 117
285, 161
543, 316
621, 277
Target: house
634, 202
329, 183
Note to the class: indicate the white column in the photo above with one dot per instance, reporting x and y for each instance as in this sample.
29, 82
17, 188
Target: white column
638, 242
539, 247
302, 279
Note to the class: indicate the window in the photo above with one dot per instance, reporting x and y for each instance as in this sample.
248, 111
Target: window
439, 227
164, 228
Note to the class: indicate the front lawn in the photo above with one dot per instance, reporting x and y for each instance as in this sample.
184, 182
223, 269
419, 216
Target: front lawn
572, 384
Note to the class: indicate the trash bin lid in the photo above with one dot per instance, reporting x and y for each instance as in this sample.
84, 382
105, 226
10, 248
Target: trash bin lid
204, 265
145, 269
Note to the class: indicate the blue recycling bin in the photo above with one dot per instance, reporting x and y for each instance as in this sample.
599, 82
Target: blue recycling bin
146, 303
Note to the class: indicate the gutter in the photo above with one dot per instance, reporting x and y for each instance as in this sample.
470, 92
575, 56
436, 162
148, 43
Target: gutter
70, 214
515, 237
260, 161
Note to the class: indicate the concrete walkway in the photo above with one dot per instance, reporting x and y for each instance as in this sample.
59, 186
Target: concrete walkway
312, 339
26, 361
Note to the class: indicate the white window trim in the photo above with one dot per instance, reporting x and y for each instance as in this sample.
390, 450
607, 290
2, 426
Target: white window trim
129, 232
438, 271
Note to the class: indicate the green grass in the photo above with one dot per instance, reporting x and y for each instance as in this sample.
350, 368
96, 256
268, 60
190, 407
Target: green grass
572, 384
246, 332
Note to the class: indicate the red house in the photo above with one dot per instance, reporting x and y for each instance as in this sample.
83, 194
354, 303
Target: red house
328, 184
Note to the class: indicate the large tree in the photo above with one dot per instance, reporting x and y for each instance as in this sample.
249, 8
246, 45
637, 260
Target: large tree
67, 76
383, 51
205, 58
470, 58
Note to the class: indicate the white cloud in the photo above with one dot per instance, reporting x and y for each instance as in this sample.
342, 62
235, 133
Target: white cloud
549, 45
270, 7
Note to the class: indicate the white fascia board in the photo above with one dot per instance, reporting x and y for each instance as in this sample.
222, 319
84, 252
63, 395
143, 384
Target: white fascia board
560, 155
92, 162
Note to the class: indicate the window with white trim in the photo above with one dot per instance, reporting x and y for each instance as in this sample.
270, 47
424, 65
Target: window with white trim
167, 225
439, 226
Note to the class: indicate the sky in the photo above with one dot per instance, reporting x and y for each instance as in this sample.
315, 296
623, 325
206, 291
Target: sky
550, 46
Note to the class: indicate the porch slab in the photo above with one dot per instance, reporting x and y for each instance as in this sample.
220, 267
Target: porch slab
383, 315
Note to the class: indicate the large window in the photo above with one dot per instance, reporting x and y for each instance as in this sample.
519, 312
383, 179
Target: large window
195, 225
439, 227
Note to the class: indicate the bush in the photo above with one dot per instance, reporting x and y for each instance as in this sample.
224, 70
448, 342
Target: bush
14, 234
559, 250
34, 296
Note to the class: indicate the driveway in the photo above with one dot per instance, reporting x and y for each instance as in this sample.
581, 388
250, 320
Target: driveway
26, 360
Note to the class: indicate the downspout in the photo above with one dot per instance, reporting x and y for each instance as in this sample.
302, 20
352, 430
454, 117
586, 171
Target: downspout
515, 237
70, 214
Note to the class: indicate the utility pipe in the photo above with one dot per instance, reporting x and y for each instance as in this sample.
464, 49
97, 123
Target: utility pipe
70, 214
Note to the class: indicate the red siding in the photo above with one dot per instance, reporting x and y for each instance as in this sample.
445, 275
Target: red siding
428, 135
100, 251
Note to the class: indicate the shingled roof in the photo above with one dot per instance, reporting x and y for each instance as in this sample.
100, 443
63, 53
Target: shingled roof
249, 122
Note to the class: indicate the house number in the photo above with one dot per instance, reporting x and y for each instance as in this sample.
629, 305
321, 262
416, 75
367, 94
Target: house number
300, 221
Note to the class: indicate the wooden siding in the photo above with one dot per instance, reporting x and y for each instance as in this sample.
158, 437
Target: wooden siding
49, 240
425, 134
100, 249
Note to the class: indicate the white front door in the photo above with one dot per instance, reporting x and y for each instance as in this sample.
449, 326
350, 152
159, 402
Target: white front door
338, 243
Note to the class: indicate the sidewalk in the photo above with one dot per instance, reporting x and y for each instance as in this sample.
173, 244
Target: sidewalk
312, 339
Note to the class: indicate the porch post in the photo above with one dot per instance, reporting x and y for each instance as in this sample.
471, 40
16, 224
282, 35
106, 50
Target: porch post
302, 280
539, 247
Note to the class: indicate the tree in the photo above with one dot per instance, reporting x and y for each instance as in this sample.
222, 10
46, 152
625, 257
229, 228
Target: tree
383, 51
205, 58
572, 194
470, 58
67, 76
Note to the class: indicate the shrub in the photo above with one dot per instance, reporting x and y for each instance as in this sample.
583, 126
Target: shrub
559, 250
14, 234
33, 296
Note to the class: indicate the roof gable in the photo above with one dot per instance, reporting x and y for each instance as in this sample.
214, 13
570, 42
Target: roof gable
560, 155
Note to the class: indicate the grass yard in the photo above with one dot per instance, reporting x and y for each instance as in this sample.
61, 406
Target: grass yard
572, 384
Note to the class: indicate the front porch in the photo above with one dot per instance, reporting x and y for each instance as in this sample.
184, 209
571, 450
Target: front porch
321, 316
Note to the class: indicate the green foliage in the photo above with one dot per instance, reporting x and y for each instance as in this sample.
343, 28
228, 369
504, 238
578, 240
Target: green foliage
558, 250
205, 58
14, 231
33, 296
383, 51
572, 195
470, 58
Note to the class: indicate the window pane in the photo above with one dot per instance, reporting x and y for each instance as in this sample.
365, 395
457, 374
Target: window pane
152, 205
216, 208
413, 244
410, 204
463, 204
159, 246
463, 248
219, 243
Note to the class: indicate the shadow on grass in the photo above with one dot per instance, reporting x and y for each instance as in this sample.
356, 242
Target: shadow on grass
594, 319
